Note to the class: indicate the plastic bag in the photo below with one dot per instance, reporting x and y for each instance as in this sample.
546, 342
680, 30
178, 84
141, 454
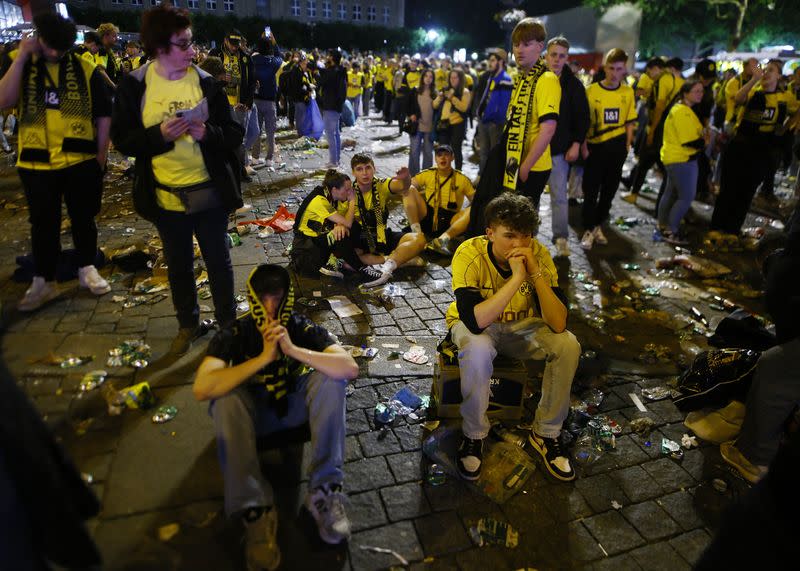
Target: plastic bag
313, 125
348, 118
715, 378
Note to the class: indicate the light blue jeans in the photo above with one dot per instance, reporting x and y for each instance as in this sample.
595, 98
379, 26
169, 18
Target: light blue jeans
680, 191
559, 203
331, 121
530, 338
420, 143
244, 413
356, 103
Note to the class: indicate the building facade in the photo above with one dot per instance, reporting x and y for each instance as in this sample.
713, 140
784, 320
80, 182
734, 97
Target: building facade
389, 13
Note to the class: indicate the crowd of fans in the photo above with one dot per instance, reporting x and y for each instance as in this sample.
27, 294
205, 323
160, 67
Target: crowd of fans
199, 121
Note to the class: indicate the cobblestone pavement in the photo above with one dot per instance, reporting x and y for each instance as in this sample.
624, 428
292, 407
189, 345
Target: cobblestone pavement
633, 508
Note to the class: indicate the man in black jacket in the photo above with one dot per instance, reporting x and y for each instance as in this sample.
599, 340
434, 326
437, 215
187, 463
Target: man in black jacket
333, 93
565, 145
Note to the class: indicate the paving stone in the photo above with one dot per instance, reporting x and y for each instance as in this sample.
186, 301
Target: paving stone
362, 398
582, 546
429, 314
659, 556
356, 422
407, 466
613, 532
410, 436
387, 331
666, 410
694, 462
379, 443
637, 484
650, 520
100, 328
442, 533
623, 562
410, 324
691, 545
352, 449
680, 506
599, 491
566, 503
405, 501
381, 319
668, 474
447, 496
97, 466
367, 474
628, 453
36, 387
401, 537
419, 303
402, 313
365, 510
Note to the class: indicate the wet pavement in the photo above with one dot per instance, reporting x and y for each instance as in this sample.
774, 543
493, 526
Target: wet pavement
631, 508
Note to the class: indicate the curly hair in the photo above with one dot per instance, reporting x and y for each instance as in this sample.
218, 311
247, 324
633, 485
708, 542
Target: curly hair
514, 211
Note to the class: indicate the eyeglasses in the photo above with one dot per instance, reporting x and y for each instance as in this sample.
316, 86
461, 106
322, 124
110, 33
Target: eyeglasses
183, 46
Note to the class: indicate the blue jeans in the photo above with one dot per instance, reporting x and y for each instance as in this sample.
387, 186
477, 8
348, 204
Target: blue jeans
300, 117
210, 227
356, 103
267, 120
244, 413
680, 191
420, 143
331, 121
558, 196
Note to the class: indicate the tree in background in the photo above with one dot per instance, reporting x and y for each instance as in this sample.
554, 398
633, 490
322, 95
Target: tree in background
737, 23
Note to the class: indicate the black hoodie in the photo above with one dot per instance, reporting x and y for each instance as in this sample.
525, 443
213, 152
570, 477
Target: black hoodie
573, 115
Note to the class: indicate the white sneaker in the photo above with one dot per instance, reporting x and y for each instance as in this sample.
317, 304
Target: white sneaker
39, 293
255, 163
599, 237
269, 163
88, 277
250, 170
331, 166
326, 506
587, 240
562, 248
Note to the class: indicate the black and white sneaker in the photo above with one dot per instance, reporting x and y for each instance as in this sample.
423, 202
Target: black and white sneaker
333, 268
555, 459
370, 274
470, 458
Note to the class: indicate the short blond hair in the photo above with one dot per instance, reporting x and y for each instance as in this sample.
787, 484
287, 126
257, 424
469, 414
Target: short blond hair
616, 55
528, 29
107, 28
558, 41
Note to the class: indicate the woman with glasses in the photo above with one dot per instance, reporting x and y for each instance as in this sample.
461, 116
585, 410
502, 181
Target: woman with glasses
420, 126
177, 121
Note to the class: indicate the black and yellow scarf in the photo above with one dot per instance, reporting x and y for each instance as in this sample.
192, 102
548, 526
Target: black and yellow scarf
373, 222
279, 376
72, 98
520, 112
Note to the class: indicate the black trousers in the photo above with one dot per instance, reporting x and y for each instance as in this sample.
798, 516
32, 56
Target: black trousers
648, 158
454, 136
534, 186
743, 168
81, 186
601, 176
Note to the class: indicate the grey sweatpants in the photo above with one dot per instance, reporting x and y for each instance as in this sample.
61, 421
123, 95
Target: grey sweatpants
243, 414
526, 339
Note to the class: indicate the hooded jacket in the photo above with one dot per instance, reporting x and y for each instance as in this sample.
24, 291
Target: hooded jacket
491, 106
573, 114
223, 136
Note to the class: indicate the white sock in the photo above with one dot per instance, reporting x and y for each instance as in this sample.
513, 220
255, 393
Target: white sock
445, 236
389, 265
415, 227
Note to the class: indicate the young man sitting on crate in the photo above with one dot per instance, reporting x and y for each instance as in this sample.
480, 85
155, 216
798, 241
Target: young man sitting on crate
508, 300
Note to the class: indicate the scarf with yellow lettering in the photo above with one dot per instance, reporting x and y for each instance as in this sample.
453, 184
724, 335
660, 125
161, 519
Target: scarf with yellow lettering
373, 222
520, 112
279, 376
72, 99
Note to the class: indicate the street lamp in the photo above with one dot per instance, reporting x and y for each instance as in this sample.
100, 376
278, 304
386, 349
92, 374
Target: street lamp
431, 35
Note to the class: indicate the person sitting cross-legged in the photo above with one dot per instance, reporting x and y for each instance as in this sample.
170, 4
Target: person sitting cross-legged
508, 301
377, 244
435, 201
274, 369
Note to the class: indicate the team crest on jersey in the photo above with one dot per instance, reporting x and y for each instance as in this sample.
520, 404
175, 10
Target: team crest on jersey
769, 114
526, 288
